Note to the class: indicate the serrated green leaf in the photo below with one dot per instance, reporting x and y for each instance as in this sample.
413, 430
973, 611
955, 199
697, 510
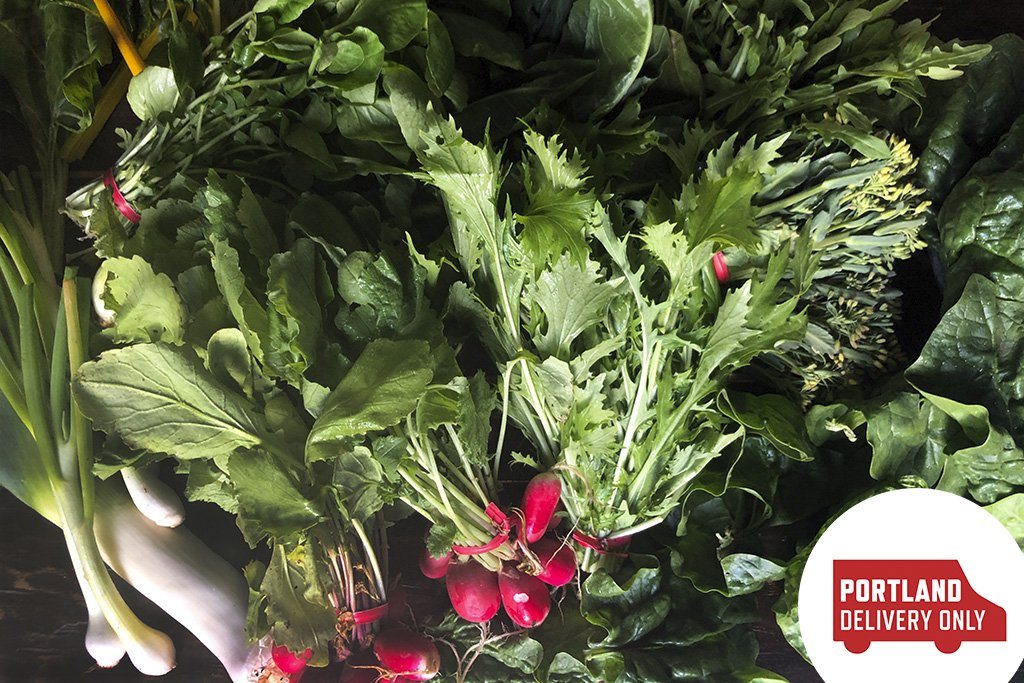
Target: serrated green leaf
145, 305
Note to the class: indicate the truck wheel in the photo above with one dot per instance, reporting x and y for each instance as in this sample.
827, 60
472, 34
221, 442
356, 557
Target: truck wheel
947, 647
857, 646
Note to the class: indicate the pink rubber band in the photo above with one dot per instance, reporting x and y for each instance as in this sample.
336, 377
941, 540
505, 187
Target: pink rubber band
120, 203
602, 546
500, 520
368, 616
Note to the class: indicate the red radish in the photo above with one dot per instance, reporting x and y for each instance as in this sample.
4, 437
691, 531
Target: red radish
556, 521
473, 590
721, 267
434, 567
539, 503
407, 654
288, 662
525, 598
557, 561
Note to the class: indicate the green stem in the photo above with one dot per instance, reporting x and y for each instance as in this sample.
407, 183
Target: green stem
81, 429
371, 557
470, 477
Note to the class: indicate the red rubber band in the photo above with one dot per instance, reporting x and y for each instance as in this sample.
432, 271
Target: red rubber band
368, 616
120, 203
601, 546
721, 268
500, 520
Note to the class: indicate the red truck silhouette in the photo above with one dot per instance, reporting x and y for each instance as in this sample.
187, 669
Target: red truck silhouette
910, 601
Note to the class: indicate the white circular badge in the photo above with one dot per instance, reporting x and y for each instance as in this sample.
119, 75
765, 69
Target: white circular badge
914, 584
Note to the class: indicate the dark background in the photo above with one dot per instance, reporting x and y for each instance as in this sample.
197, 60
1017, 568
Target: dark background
43, 618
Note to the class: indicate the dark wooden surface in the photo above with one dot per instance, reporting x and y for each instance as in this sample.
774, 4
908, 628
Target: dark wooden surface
42, 616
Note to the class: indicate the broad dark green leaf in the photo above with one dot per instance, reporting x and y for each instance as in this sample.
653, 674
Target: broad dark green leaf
160, 398
617, 33
269, 499
380, 389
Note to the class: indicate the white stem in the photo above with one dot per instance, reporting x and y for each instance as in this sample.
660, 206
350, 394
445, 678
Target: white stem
99, 286
150, 651
152, 497
101, 642
179, 573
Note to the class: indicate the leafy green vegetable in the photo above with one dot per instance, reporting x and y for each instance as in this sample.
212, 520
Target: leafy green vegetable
641, 624
153, 92
144, 304
158, 398
615, 351
973, 118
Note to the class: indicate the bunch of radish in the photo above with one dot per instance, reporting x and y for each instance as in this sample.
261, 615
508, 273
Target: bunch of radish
522, 586
399, 655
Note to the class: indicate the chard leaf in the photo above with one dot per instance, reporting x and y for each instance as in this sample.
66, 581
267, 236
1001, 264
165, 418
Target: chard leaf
145, 304
161, 399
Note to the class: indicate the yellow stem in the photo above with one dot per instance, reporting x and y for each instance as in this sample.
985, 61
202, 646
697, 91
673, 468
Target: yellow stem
124, 42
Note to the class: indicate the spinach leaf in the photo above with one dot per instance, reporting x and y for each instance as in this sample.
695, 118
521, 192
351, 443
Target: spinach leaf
617, 33
986, 101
